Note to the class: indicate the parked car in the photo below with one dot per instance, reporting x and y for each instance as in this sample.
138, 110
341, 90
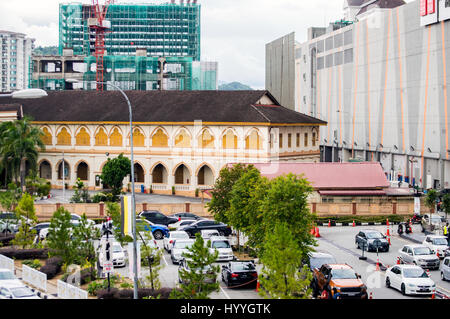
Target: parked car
157, 217
186, 215
76, 219
7, 277
410, 279
11, 222
192, 229
179, 247
368, 240
182, 222
239, 273
433, 223
438, 244
8, 228
419, 255
208, 233
17, 292
210, 277
118, 255
445, 269
222, 246
158, 231
317, 259
338, 280
173, 235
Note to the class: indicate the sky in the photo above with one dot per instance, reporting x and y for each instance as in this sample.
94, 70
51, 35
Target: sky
233, 32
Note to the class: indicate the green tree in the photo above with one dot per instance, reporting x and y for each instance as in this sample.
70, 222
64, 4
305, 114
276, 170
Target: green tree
219, 206
59, 236
26, 214
194, 280
286, 201
20, 144
114, 171
430, 199
10, 198
151, 257
446, 204
283, 274
83, 236
81, 194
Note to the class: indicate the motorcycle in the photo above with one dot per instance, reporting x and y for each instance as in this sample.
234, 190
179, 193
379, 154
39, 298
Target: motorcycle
404, 227
416, 219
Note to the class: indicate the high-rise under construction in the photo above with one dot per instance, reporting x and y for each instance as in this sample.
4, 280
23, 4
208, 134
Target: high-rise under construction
171, 29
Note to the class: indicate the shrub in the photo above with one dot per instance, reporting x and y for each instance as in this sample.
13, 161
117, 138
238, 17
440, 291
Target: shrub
361, 219
115, 293
35, 263
22, 254
105, 294
94, 287
52, 267
5, 240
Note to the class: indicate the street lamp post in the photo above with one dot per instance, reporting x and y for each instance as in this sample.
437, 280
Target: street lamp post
26, 94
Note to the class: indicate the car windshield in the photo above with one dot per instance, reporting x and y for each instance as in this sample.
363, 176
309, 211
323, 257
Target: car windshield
343, 273
220, 244
374, 235
422, 251
436, 219
440, 241
183, 244
117, 249
7, 275
414, 273
318, 262
22, 292
179, 235
242, 266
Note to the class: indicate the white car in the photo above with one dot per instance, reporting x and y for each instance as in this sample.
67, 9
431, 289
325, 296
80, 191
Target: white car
7, 277
179, 247
16, 292
445, 269
222, 245
438, 244
419, 255
76, 219
410, 280
118, 255
181, 223
208, 233
173, 235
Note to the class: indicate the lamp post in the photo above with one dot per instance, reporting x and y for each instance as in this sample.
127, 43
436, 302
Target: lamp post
26, 94
133, 202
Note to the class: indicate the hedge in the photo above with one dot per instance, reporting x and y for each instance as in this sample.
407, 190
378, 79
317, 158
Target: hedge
52, 267
115, 293
362, 219
5, 240
22, 254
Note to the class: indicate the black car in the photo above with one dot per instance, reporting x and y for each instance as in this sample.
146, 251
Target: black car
157, 217
369, 240
240, 273
185, 216
192, 229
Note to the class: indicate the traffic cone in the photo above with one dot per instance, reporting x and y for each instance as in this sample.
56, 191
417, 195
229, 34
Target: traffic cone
378, 265
433, 296
329, 223
410, 225
313, 231
388, 232
353, 223
389, 241
317, 235
387, 222
438, 256
428, 273
257, 286
398, 260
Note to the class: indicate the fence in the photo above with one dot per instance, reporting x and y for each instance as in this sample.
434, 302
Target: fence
67, 291
34, 278
7, 263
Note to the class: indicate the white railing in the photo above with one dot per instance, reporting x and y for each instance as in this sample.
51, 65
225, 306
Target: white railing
182, 187
159, 187
67, 291
202, 187
7, 263
34, 277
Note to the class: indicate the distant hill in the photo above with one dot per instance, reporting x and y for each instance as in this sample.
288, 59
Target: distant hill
234, 86
50, 50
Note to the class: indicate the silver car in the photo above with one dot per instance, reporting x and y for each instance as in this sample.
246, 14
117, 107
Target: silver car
179, 247
445, 269
419, 255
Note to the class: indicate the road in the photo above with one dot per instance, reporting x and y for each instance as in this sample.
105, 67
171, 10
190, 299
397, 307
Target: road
340, 242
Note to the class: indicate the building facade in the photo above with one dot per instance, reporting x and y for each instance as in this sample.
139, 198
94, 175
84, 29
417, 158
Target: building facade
181, 139
15, 54
380, 81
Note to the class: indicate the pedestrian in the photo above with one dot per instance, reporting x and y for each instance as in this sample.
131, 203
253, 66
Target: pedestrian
447, 233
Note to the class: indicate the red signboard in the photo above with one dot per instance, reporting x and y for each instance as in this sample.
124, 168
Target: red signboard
423, 7
431, 6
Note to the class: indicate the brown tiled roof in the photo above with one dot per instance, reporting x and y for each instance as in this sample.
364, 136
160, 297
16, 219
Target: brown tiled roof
161, 106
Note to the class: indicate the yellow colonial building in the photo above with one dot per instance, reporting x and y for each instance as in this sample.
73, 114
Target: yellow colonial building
182, 139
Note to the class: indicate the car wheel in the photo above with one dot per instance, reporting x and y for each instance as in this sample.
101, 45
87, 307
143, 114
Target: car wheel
442, 276
388, 282
158, 235
403, 289
357, 245
221, 233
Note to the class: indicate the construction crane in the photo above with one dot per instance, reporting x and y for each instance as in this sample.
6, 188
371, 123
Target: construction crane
100, 26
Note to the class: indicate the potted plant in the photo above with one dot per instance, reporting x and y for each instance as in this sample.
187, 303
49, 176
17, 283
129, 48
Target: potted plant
196, 192
173, 190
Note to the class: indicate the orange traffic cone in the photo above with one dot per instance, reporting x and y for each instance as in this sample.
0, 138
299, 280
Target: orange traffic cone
398, 260
428, 273
257, 286
329, 223
387, 222
433, 296
378, 265
388, 233
313, 231
410, 225
317, 235
353, 223
438, 256
389, 241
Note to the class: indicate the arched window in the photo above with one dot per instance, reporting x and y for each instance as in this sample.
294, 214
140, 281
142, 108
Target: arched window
205, 176
183, 139
63, 138
47, 137
115, 138
66, 171
159, 174
160, 139
182, 175
230, 140
101, 139
45, 170
83, 138
253, 141
206, 140
138, 138
138, 173
83, 171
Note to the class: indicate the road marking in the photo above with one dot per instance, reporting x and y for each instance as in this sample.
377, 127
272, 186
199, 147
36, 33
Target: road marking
226, 295
443, 288
164, 258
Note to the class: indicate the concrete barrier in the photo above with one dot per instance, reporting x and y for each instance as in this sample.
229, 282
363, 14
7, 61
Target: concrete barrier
34, 278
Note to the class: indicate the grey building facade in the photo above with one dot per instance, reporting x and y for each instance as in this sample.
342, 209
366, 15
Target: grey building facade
380, 81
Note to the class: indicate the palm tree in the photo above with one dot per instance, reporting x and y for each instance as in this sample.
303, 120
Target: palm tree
20, 143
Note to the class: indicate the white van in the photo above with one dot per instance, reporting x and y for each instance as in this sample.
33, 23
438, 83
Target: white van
223, 246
